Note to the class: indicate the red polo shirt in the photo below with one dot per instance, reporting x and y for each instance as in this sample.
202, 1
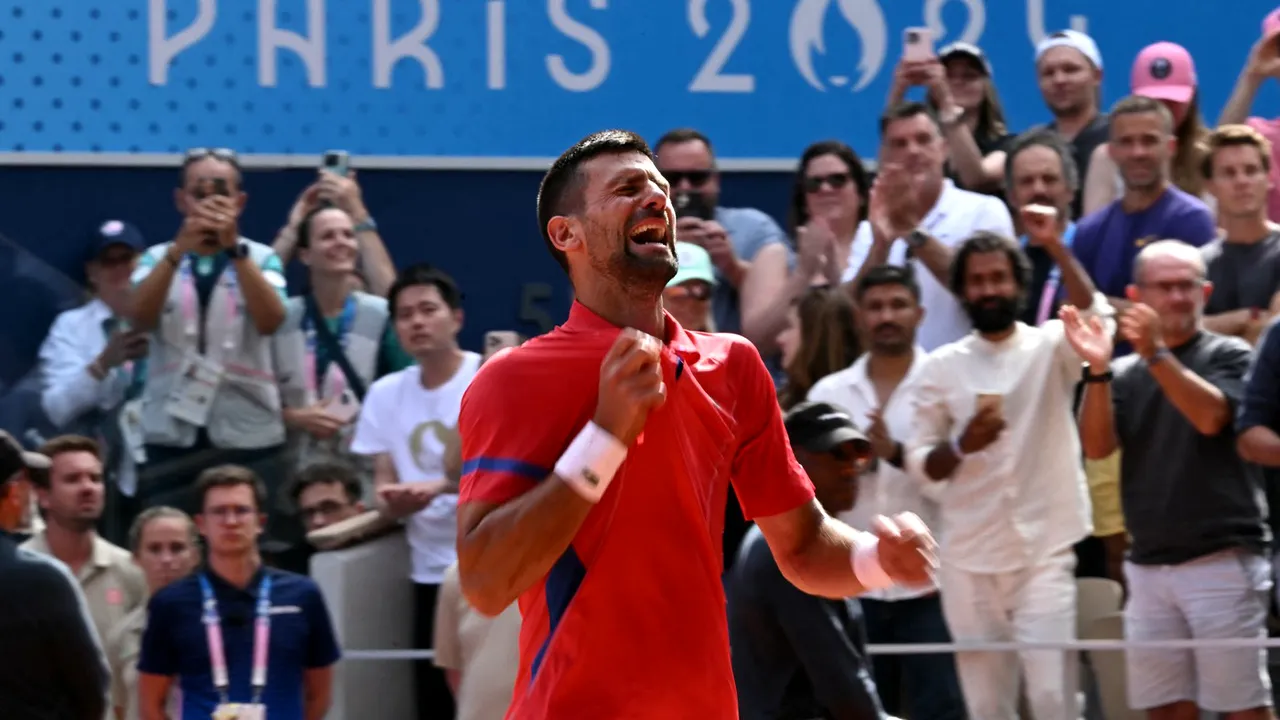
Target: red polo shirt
630, 622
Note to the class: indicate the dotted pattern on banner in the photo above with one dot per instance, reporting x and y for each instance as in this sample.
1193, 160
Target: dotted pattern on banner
74, 78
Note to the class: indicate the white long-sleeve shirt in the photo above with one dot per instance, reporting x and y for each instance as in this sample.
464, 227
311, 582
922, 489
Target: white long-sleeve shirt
1024, 497
885, 490
68, 391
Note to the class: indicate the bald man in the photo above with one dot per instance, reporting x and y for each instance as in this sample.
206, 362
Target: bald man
1197, 565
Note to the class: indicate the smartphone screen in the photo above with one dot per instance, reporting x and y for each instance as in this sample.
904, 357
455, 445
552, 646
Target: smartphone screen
692, 204
337, 162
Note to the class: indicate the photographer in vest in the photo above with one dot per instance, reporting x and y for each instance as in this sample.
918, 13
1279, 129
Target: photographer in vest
334, 342
210, 298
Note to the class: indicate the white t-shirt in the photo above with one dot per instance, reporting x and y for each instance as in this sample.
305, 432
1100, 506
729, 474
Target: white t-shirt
954, 217
414, 426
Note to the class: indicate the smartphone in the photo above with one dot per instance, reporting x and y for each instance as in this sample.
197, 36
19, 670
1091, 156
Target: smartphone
990, 400
693, 204
917, 44
343, 408
220, 187
498, 340
337, 162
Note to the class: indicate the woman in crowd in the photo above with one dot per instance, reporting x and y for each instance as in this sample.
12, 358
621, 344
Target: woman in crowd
163, 541
962, 93
828, 201
1165, 72
819, 339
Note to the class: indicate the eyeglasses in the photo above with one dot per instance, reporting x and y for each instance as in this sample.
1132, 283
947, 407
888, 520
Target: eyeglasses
835, 181
696, 291
223, 154
1182, 287
696, 178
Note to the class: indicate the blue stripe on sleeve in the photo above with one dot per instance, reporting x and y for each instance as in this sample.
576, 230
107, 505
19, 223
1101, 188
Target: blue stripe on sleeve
506, 465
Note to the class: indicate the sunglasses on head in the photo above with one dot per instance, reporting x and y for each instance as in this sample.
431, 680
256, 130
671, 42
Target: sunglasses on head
200, 153
696, 178
696, 291
835, 181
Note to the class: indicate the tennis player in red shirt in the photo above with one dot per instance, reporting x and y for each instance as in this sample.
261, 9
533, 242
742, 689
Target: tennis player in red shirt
597, 459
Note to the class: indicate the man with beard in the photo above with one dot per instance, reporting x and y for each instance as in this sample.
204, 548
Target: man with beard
994, 425
879, 389
1197, 565
597, 458
71, 495
1107, 242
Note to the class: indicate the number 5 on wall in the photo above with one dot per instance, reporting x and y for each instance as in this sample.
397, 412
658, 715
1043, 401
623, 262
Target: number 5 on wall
532, 295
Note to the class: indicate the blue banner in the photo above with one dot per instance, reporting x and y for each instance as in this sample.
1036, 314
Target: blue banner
512, 79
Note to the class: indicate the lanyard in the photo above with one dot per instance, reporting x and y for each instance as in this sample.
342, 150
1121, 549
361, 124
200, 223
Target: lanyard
338, 380
261, 639
1052, 283
190, 305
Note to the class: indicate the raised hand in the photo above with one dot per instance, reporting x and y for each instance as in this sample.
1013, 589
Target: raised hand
907, 551
1089, 339
1140, 326
630, 385
983, 429
1041, 224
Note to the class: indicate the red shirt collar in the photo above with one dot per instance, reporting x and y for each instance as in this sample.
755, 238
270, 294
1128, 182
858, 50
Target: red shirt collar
582, 318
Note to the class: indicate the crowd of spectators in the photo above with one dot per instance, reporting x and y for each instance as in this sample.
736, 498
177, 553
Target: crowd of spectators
1053, 345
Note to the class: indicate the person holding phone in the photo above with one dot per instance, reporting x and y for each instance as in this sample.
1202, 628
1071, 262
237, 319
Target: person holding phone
994, 428
336, 186
960, 89
92, 357
210, 299
334, 343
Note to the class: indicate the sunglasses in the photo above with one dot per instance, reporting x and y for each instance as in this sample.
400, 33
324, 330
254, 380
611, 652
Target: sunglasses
200, 153
835, 181
696, 178
698, 291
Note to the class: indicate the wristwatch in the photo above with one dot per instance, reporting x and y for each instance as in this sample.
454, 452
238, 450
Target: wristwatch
917, 238
950, 117
368, 225
1160, 354
1090, 377
239, 252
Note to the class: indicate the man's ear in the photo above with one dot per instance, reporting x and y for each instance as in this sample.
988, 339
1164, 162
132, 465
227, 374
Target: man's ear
565, 233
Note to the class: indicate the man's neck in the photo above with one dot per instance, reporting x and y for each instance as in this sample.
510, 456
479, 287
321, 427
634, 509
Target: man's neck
930, 193
1244, 230
1070, 125
1000, 336
643, 313
439, 367
886, 367
1139, 199
72, 546
330, 292
237, 569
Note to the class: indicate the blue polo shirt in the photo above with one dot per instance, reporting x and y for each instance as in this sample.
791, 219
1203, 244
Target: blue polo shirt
174, 643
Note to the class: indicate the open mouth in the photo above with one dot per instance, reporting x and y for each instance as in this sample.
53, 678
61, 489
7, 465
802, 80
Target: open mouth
650, 235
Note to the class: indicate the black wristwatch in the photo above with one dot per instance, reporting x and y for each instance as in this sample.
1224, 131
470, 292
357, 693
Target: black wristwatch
917, 238
1089, 377
239, 252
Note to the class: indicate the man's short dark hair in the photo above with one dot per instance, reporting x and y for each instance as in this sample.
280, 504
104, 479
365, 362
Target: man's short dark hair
684, 135
1043, 137
881, 275
61, 445
561, 190
1142, 105
326, 473
985, 241
229, 476
905, 110
425, 274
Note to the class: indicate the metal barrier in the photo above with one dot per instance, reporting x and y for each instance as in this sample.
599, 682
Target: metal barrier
923, 648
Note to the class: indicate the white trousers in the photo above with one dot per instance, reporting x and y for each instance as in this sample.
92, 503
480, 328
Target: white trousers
1035, 604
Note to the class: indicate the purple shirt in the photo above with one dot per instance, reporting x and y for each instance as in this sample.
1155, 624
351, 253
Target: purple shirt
1108, 240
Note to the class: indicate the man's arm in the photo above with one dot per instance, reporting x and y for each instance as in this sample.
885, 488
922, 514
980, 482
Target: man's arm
152, 280
263, 292
1202, 403
317, 692
929, 455
1098, 437
322, 653
448, 644
1079, 286
515, 517
69, 388
153, 695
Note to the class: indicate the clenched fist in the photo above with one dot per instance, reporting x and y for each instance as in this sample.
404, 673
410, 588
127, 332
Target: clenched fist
630, 385
908, 552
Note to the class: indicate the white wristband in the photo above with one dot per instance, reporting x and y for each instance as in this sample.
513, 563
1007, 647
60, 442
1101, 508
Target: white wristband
955, 449
591, 461
866, 562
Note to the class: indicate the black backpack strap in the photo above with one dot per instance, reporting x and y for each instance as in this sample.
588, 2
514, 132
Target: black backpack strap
331, 345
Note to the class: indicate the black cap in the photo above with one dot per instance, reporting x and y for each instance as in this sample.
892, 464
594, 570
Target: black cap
821, 427
13, 459
969, 50
115, 232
